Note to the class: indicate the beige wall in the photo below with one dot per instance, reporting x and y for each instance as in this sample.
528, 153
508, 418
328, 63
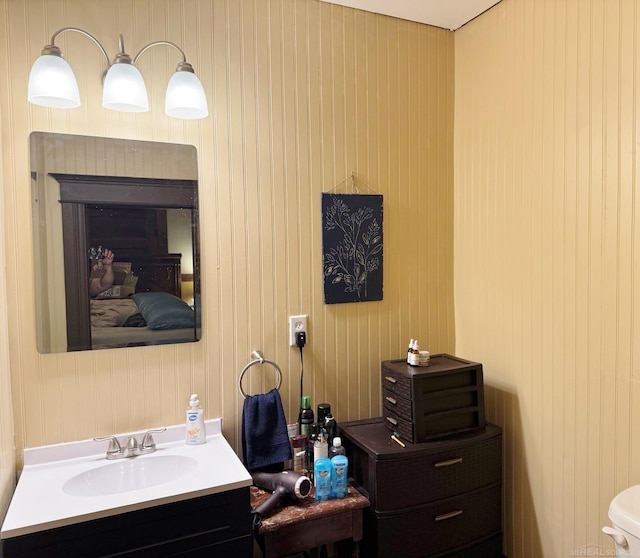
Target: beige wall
547, 252
7, 451
301, 94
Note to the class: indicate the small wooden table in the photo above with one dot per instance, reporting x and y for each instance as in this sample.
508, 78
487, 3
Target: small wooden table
308, 524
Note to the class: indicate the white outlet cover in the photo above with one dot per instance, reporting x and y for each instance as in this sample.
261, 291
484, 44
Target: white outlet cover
296, 325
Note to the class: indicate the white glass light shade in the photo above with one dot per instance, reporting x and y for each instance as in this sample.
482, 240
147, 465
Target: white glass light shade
185, 97
124, 89
52, 83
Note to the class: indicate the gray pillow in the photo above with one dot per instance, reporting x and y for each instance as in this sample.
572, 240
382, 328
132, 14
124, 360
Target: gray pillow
164, 311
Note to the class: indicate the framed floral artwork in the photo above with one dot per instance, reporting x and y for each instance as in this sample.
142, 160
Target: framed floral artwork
352, 247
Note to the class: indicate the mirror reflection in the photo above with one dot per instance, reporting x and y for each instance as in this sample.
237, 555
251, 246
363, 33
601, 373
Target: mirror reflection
115, 242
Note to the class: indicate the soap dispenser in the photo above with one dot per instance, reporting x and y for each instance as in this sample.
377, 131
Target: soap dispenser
195, 429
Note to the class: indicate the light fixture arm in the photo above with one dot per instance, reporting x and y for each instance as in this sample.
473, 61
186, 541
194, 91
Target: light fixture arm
52, 48
182, 66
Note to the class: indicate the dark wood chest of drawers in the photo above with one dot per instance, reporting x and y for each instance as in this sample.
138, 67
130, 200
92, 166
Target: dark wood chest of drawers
435, 401
439, 498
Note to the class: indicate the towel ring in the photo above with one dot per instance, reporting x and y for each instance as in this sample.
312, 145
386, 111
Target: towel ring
259, 359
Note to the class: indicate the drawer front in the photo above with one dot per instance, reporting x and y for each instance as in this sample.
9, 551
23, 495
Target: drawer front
441, 526
414, 481
396, 383
431, 383
448, 400
395, 423
397, 404
438, 425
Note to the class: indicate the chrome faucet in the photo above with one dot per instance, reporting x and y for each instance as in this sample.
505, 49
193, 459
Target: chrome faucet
132, 448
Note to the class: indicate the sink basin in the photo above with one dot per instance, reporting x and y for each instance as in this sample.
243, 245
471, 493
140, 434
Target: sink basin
128, 474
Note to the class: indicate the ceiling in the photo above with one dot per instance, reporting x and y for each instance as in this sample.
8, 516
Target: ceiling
449, 14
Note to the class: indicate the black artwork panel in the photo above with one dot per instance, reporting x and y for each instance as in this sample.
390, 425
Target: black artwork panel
352, 247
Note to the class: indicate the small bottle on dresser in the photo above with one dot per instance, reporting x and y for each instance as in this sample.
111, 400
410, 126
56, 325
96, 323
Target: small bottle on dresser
336, 448
409, 349
414, 356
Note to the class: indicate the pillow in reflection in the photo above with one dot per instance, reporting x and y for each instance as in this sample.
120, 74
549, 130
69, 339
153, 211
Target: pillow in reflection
164, 311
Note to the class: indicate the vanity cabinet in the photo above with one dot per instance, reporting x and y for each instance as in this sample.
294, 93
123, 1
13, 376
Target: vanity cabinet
439, 498
214, 525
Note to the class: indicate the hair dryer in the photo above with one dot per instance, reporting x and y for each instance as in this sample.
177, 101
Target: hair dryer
286, 483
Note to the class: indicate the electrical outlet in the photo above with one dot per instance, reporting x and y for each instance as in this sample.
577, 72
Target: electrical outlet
296, 325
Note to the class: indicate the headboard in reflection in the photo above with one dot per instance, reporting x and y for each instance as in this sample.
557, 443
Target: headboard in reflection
136, 199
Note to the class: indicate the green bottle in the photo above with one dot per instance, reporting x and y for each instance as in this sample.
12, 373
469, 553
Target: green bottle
305, 418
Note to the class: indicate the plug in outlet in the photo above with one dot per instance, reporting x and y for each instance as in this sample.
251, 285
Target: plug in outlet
296, 325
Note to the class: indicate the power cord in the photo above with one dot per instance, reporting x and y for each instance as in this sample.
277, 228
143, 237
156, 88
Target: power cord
301, 340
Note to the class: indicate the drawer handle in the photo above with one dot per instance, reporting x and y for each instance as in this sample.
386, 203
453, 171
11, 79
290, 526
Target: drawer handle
392, 421
449, 515
391, 400
449, 462
390, 379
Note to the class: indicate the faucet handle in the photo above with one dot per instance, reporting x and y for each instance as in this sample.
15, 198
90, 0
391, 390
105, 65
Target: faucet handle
114, 448
147, 440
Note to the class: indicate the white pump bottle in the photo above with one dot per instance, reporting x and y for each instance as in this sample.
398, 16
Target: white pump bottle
195, 428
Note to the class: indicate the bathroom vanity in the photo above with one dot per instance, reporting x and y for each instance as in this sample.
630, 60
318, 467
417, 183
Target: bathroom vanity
179, 500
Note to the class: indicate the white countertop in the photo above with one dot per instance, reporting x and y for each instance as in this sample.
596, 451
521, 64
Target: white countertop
39, 501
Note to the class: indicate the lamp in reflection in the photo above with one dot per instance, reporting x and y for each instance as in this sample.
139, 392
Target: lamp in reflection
53, 84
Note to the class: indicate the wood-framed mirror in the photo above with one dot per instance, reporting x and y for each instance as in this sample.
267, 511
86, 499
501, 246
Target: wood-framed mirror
140, 201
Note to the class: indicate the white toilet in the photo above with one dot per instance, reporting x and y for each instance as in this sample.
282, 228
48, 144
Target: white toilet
624, 513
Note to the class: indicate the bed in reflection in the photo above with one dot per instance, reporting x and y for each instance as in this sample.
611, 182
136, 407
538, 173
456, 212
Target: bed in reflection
149, 318
144, 307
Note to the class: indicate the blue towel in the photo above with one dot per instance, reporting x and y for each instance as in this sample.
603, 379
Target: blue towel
265, 439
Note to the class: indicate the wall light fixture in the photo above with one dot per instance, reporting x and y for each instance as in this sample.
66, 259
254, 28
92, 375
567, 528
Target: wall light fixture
53, 84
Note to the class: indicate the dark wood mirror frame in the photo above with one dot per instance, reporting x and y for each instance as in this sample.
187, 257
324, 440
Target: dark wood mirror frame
77, 194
